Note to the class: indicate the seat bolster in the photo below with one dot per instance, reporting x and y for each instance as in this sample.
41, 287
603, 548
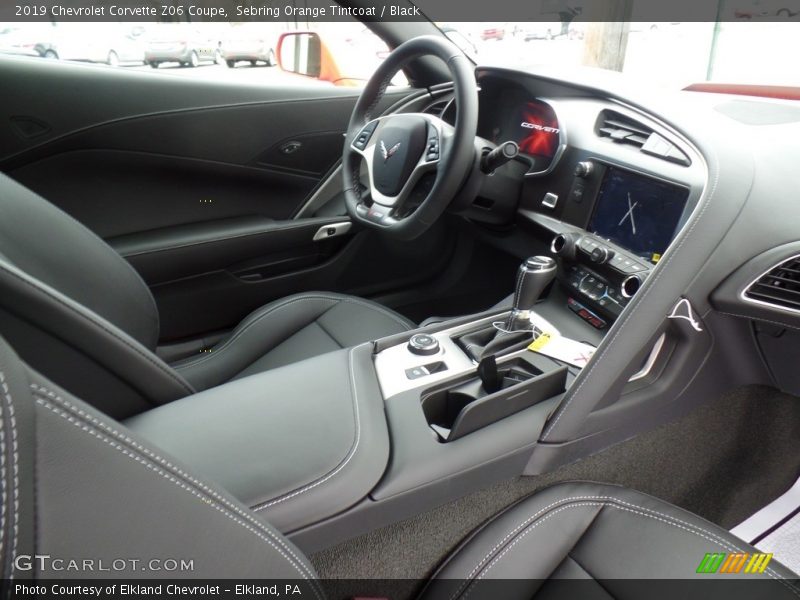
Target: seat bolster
344, 319
603, 532
81, 350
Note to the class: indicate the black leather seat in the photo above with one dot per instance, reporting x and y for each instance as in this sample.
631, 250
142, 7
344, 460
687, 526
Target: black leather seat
76, 483
607, 537
290, 330
79, 313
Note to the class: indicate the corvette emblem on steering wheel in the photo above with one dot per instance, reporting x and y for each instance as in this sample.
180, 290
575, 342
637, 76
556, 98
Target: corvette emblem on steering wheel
387, 154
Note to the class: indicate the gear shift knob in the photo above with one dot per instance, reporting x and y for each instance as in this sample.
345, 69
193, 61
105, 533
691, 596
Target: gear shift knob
534, 275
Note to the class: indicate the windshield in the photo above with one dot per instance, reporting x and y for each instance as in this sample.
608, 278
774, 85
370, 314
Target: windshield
671, 54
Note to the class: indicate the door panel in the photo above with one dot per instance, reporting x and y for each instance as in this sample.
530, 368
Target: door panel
166, 254
197, 182
119, 192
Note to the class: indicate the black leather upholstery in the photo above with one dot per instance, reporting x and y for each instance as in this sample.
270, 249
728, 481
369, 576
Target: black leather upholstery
290, 330
297, 445
78, 313
76, 483
52, 247
590, 531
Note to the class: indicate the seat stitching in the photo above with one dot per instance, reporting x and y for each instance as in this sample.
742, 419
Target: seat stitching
614, 503
269, 310
353, 300
35, 284
640, 301
517, 528
14, 468
165, 463
667, 520
533, 517
512, 533
343, 463
246, 326
3, 486
86, 428
722, 543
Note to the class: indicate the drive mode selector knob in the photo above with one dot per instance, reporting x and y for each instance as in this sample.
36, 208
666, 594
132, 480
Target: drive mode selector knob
601, 255
423, 344
584, 168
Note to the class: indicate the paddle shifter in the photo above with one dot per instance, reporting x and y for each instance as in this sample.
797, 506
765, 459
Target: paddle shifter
534, 275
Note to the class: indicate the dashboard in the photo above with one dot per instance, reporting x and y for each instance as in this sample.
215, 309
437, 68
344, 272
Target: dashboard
673, 219
611, 185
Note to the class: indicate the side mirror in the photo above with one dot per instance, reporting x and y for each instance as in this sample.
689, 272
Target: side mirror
301, 52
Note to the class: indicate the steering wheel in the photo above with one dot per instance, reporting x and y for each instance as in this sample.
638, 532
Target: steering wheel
416, 163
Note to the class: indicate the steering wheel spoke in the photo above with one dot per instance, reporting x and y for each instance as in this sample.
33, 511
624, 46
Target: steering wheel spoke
395, 161
415, 162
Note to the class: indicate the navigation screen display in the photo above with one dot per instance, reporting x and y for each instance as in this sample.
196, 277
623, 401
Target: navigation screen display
538, 131
638, 213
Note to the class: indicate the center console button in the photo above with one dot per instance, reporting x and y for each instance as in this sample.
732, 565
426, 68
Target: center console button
587, 245
584, 168
423, 344
636, 268
601, 255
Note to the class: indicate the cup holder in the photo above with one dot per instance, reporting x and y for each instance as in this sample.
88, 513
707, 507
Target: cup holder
463, 406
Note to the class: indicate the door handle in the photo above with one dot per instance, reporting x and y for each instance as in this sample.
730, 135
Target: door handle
332, 230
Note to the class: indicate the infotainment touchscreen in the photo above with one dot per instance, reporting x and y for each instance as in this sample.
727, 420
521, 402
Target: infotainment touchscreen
638, 213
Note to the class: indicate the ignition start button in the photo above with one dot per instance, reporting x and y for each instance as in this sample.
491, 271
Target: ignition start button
424, 344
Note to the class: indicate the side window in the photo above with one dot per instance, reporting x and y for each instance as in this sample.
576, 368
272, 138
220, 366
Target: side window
269, 52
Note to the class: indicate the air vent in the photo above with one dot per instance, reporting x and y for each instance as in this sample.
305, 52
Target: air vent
436, 108
780, 286
624, 130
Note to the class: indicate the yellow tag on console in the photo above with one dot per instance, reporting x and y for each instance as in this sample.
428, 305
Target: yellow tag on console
540, 342
564, 349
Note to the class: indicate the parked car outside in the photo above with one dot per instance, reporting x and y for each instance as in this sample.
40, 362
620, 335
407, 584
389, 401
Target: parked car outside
30, 39
182, 43
252, 42
114, 45
496, 32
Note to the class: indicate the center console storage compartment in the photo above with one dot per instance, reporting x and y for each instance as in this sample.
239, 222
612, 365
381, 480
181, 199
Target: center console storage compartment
463, 406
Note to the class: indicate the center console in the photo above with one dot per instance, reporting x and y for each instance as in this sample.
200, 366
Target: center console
395, 423
618, 224
459, 394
